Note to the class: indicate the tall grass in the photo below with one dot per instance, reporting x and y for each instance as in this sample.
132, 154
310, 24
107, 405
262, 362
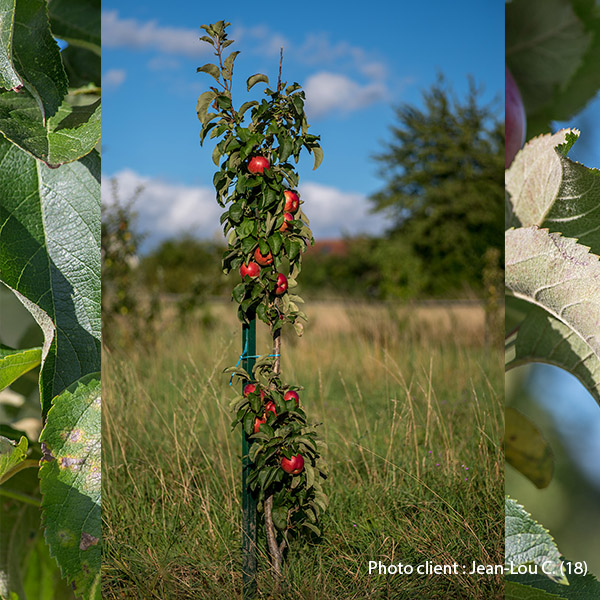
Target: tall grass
411, 412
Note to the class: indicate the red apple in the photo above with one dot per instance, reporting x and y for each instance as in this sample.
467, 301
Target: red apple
292, 202
251, 269
251, 387
270, 407
293, 465
258, 423
282, 284
515, 119
261, 259
258, 164
287, 217
292, 395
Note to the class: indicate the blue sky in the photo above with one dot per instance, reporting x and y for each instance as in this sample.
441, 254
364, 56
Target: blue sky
354, 66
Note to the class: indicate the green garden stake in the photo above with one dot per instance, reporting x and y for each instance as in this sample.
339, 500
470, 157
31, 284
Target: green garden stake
248, 499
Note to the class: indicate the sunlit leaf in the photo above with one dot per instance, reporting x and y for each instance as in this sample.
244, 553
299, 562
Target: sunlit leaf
70, 134
562, 278
254, 79
527, 542
50, 257
14, 363
11, 455
9, 78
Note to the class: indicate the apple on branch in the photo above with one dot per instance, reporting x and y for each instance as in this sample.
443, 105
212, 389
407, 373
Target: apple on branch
249, 388
258, 423
251, 270
287, 218
282, 284
292, 201
258, 164
292, 395
262, 259
293, 465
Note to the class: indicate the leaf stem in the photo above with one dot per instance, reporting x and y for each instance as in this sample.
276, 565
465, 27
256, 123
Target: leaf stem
24, 465
25, 498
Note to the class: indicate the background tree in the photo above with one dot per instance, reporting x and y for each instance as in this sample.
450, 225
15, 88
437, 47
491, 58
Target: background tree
444, 190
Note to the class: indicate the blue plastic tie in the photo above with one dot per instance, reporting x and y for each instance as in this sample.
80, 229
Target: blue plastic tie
243, 356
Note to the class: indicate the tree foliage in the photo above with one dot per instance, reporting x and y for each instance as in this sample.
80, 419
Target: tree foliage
443, 170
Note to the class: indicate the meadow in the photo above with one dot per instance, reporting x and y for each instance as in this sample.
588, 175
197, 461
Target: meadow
410, 399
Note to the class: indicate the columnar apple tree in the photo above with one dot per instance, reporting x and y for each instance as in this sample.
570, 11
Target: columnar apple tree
267, 233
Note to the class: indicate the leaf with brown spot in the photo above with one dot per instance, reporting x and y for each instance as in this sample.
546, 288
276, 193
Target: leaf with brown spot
70, 485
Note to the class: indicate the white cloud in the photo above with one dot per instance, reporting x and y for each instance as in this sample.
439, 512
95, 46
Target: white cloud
131, 33
163, 63
113, 78
169, 209
318, 49
263, 41
327, 92
166, 209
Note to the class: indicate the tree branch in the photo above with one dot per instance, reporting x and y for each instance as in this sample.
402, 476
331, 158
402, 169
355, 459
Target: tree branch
274, 549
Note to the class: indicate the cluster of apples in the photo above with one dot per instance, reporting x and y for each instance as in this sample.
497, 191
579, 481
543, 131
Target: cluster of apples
257, 165
295, 464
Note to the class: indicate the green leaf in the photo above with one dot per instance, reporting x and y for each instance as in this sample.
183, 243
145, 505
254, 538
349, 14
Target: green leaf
70, 484
546, 188
246, 106
248, 244
238, 292
216, 155
527, 542
263, 246
295, 249
318, 154
560, 277
581, 587
254, 79
275, 242
11, 455
228, 65
19, 530
36, 57
541, 55
574, 78
77, 22
70, 134
543, 338
245, 229
210, 69
9, 78
204, 101
50, 257
312, 528
526, 449
82, 66
248, 423
518, 591
14, 363
286, 145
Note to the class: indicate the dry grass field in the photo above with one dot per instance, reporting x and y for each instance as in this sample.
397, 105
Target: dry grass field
411, 405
